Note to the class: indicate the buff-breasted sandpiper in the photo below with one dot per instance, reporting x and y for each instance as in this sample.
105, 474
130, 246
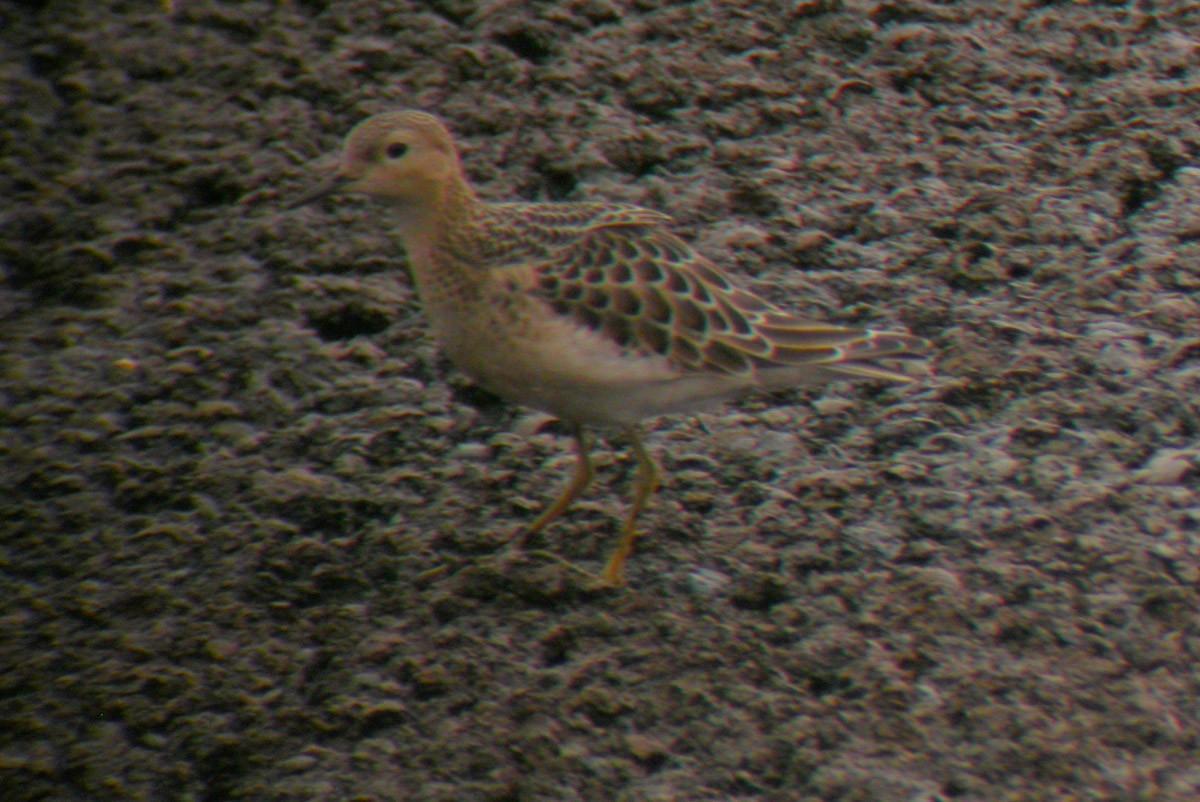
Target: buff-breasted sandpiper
593, 312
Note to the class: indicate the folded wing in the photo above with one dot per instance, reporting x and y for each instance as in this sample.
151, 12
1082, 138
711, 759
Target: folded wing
622, 274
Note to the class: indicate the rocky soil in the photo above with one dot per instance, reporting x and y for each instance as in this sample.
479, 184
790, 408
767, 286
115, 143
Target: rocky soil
252, 540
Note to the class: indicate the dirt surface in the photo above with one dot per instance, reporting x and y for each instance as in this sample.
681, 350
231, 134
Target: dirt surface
253, 524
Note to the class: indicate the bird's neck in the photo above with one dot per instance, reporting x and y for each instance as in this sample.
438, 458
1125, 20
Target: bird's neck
443, 210
445, 242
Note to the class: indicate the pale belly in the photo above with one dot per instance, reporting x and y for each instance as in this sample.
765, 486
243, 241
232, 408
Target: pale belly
557, 366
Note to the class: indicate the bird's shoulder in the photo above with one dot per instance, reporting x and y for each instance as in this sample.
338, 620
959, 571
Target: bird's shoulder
553, 225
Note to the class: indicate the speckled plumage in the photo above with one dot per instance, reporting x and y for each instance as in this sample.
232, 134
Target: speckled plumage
592, 312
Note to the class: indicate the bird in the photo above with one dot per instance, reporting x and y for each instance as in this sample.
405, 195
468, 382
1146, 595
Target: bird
593, 312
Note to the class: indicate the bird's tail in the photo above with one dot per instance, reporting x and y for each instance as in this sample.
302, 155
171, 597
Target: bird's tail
842, 353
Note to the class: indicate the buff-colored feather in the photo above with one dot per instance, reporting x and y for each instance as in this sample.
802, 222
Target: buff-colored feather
593, 312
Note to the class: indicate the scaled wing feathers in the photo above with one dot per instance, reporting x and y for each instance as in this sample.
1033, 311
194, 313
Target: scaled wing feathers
616, 270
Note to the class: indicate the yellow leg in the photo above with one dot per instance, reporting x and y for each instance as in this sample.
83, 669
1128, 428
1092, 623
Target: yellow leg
645, 484
580, 479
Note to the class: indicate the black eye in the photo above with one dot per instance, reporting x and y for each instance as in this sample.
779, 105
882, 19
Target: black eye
396, 150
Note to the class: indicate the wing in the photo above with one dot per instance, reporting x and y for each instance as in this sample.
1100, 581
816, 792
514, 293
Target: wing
622, 274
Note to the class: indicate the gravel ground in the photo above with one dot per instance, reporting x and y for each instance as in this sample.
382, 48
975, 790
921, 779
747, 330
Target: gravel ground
252, 544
